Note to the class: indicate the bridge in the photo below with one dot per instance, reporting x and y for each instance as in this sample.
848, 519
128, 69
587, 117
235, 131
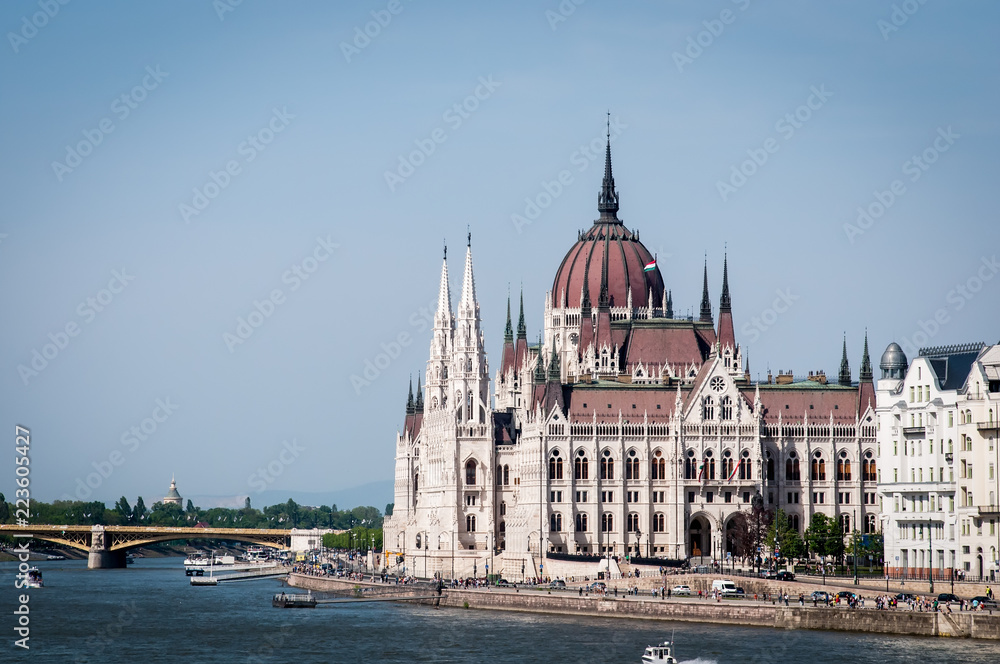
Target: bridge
106, 545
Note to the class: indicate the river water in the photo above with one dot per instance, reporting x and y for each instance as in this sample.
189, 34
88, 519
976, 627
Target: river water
150, 613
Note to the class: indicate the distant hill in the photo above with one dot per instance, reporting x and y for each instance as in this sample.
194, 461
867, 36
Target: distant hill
374, 494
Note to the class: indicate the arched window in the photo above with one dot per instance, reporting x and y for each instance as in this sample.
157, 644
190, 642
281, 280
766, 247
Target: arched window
726, 408
469, 403
818, 468
470, 472
555, 522
506, 475
555, 466
792, 468
708, 408
870, 522
633, 522
470, 523
868, 468
632, 466
658, 467
845, 523
607, 466
581, 522
709, 465
581, 467
727, 465
607, 522
658, 523
690, 466
770, 466
746, 473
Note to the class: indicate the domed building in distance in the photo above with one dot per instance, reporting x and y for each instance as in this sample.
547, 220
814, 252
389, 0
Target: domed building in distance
625, 430
172, 497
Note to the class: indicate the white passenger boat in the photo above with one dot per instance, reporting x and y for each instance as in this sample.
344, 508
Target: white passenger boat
33, 578
662, 653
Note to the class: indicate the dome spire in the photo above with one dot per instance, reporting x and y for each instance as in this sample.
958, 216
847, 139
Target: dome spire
607, 200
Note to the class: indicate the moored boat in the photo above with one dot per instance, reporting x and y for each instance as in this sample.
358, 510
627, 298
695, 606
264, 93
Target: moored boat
284, 601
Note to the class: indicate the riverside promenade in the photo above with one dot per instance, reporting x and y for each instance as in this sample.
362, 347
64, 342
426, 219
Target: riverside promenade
729, 611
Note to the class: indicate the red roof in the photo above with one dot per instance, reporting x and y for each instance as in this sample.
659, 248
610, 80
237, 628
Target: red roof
670, 343
817, 401
656, 403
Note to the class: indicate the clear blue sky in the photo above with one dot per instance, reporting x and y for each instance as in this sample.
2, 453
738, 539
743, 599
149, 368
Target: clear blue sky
329, 121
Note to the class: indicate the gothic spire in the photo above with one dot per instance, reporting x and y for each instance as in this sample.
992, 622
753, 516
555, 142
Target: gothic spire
585, 297
409, 399
419, 405
845, 368
444, 293
603, 301
554, 366
522, 331
706, 304
468, 302
866, 364
725, 304
607, 200
670, 304
540, 365
508, 333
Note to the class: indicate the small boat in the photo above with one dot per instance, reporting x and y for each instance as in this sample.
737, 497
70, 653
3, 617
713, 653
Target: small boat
129, 559
662, 653
283, 601
33, 578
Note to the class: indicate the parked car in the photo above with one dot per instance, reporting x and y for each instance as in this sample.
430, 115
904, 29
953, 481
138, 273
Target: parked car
846, 594
820, 595
905, 597
680, 590
740, 592
596, 586
948, 597
768, 574
504, 583
558, 584
983, 601
784, 576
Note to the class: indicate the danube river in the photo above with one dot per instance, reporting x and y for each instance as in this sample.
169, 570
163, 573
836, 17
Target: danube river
149, 613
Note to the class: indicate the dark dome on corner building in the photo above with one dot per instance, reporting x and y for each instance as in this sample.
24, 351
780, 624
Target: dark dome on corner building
894, 362
608, 251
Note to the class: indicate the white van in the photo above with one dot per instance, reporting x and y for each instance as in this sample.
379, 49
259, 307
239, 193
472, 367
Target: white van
724, 586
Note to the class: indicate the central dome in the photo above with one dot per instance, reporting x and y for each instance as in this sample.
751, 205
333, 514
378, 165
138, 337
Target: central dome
607, 255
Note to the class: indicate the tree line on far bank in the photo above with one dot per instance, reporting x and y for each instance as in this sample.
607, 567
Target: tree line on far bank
281, 516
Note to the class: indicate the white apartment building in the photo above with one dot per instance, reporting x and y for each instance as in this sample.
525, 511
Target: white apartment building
933, 419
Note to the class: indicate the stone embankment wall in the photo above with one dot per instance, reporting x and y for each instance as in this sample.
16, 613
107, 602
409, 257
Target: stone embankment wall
742, 612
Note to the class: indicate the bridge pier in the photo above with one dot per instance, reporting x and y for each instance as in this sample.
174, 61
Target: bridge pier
106, 559
100, 557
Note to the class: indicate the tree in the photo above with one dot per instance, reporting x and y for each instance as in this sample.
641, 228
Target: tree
190, 507
139, 512
246, 505
824, 536
4, 509
123, 510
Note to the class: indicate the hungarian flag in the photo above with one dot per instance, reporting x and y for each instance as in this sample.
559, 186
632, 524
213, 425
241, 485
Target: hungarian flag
736, 467
650, 266
701, 470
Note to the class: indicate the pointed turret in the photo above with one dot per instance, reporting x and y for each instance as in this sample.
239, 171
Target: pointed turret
845, 368
866, 363
444, 291
607, 200
866, 388
441, 343
603, 301
410, 406
554, 369
727, 336
508, 332
419, 405
706, 304
468, 302
522, 331
670, 304
540, 365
